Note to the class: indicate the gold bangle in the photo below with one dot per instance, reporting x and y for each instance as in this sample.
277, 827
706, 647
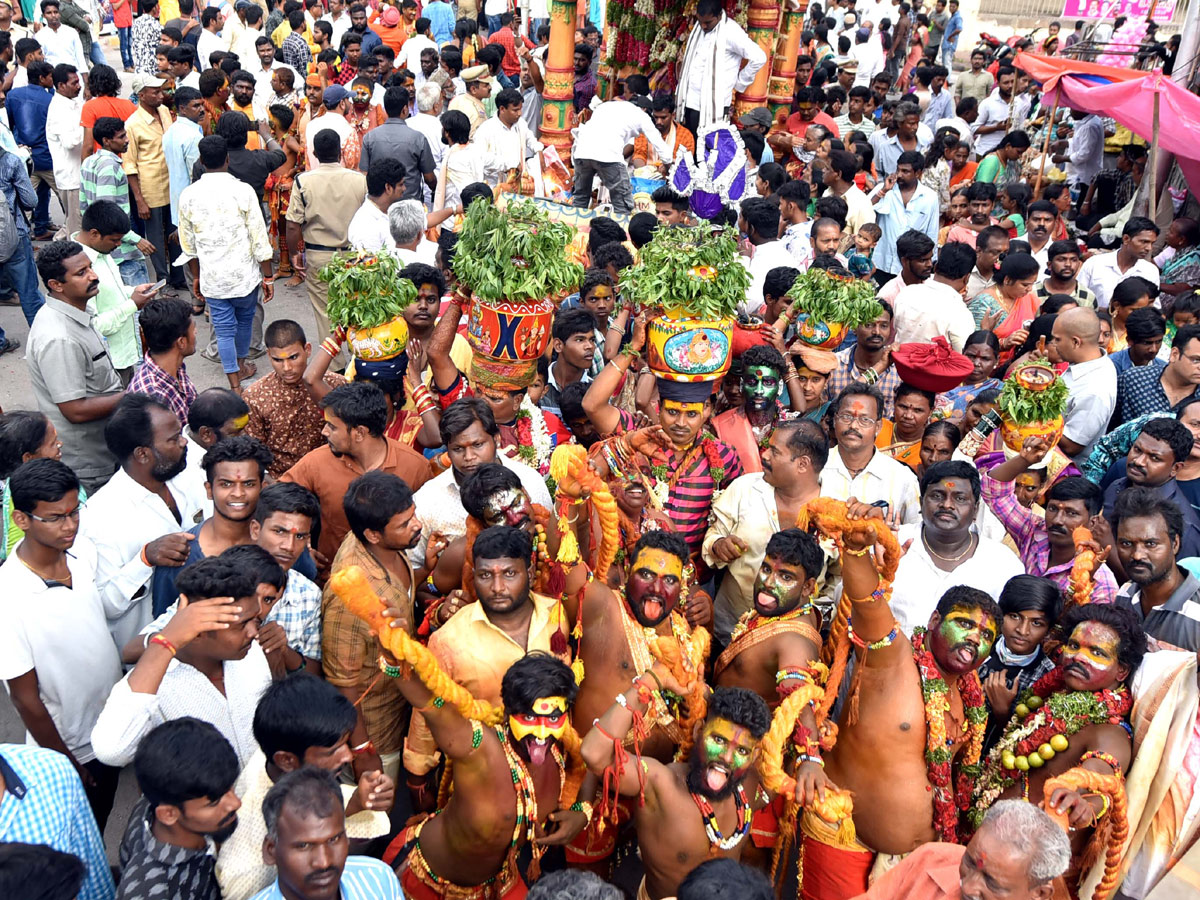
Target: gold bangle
859, 553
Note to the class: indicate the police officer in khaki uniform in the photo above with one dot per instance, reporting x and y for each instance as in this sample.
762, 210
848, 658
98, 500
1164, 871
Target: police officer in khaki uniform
323, 201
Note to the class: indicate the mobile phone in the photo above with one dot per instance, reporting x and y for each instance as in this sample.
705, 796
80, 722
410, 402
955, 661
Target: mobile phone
157, 286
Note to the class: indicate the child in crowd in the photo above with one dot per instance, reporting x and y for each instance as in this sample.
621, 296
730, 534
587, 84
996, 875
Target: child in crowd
860, 262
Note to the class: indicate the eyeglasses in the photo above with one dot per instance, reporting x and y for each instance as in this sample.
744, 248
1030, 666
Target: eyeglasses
73, 515
850, 419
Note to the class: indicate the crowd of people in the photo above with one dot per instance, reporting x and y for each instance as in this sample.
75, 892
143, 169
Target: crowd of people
597, 592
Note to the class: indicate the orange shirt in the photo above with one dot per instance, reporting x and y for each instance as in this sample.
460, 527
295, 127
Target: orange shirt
928, 873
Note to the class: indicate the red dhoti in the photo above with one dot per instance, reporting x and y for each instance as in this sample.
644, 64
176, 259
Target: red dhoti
834, 873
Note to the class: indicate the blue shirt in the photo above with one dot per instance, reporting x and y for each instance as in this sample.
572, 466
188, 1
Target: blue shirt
894, 218
43, 803
28, 107
363, 878
17, 188
1122, 362
441, 21
181, 147
953, 30
941, 106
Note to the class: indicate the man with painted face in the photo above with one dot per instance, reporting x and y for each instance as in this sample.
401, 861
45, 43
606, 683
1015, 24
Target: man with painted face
687, 811
748, 428
756, 506
477, 642
502, 773
895, 804
186, 770
947, 548
1103, 648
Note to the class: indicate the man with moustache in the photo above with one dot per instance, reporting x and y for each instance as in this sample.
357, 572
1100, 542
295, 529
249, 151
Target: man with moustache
500, 774
748, 427
945, 547
1158, 452
186, 770
73, 379
1064, 262
869, 361
1165, 597
680, 804
384, 526
756, 506
1039, 221
1102, 651
896, 806
355, 420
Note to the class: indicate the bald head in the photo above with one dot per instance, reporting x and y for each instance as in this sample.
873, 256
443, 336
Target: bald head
1075, 335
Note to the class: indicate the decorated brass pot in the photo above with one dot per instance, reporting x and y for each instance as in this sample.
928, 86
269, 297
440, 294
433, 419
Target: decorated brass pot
1014, 435
382, 342
682, 348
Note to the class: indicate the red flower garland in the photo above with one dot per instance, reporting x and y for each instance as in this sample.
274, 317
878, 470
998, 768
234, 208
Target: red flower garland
1118, 704
716, 465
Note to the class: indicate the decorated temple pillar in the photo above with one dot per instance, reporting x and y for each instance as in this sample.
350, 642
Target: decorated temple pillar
558, 92
783, 63
762, 21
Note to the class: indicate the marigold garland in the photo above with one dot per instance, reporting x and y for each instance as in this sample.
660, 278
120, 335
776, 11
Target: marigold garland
571, 472
939, 758
1081, 583
1116, 827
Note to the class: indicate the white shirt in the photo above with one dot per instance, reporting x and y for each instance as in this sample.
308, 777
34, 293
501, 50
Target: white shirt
768, 256
461, 165
426, 253
1100, 274
61, 634
506, 147
439, 503
991, 111
120, 519
431, 128
221, 225
62, 46
192, 481
731, 76
884, 478
932, 308
264, 94
614, 124
1093, 397
1085, 153
920, 584
331, 120
341, 25
243, 43
369, 229
207, 43
958, 124
870, 60
128, 716
64, 133
410, 53
798, 240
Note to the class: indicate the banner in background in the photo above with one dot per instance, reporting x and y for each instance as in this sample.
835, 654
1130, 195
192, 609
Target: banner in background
1134, 9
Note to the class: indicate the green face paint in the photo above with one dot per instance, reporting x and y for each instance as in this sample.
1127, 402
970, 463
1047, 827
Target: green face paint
760, 384
778, 588
964, 638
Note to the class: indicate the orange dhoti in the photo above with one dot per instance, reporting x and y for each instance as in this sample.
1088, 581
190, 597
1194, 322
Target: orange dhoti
597, 842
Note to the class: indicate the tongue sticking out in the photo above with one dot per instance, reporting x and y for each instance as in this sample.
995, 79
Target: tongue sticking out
652, 609
715, 779
766, 601
537, 751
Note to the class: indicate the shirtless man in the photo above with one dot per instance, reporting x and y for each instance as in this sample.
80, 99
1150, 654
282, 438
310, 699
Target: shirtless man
896, 806
1104, 647
501, 775
773, 650
696, 810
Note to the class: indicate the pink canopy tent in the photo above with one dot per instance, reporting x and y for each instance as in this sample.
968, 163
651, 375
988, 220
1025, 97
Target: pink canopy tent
1148, 103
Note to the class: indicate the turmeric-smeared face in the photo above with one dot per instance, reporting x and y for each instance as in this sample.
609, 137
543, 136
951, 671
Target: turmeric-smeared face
722, 756
682, 421
655, 583
538, 729
1090, 658
962, 639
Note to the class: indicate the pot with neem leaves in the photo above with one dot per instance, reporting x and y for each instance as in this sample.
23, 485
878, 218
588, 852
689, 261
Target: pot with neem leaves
368, 298
828, 303
1032, 403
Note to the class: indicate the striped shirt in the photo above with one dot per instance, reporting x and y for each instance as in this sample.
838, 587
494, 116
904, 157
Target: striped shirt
691, 497
102, 177
1028, 531
44, 803
363, 878
1174, 625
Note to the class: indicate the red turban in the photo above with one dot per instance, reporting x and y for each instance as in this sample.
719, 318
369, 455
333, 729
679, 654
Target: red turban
931, 366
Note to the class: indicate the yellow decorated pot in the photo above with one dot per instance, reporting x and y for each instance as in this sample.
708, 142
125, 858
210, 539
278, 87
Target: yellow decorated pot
689, 348
819, 334
1014, 435
382, 342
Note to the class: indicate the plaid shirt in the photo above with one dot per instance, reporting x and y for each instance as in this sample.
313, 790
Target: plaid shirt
177, 393
847, 374
346, 73
102, 177
1028, 531
295, 51
44, 803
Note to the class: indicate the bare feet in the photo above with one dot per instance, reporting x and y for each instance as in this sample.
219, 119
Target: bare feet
295, 281
247, 369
